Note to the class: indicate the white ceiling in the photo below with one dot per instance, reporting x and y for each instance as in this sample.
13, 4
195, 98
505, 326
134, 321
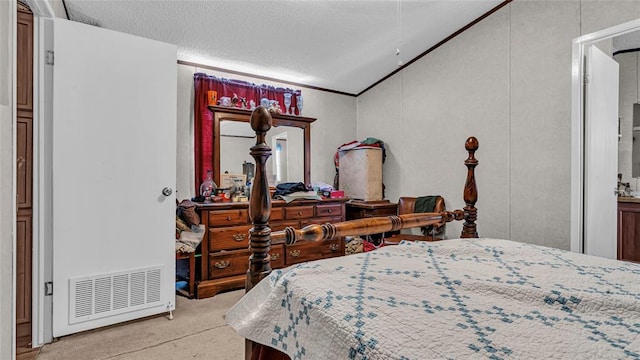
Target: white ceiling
339, 45
626, 42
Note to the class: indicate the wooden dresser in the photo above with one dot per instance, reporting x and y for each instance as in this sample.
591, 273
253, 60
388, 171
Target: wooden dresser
225, 247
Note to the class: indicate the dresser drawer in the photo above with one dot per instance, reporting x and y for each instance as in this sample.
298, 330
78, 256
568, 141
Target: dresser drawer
308, 251
228, 263
280, 225
298, 212
277, 256
329, 210
320, 221
228, 238
276, 214
228, 217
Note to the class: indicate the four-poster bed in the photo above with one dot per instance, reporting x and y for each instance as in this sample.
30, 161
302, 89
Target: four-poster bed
457, 298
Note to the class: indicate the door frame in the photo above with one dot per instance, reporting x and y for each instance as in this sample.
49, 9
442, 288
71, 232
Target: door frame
579, 45
8, 115
42, 315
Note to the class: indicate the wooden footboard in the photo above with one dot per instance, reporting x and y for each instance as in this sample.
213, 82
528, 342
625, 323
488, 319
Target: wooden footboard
260, 210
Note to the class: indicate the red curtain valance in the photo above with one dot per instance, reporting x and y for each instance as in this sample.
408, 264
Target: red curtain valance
203, 124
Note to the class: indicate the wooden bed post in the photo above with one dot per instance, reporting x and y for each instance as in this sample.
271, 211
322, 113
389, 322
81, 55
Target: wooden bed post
469, 229
260, 202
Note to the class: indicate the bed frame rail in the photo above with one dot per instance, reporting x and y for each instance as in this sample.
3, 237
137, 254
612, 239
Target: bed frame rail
378, 225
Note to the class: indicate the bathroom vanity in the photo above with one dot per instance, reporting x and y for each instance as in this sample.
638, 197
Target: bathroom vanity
629, 229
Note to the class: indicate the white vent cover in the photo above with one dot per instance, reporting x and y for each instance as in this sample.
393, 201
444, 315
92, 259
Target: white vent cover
98, 296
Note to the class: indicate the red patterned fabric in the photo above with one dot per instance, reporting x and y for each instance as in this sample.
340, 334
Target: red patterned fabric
203, 118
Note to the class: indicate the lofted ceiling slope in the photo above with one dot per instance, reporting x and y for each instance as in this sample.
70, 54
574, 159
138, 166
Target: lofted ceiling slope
344, 46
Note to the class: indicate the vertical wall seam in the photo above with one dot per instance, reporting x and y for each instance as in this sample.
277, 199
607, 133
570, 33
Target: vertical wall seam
509, 98
580, 17
402, 131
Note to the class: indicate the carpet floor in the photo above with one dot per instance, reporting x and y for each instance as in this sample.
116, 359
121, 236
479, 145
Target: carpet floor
197, 331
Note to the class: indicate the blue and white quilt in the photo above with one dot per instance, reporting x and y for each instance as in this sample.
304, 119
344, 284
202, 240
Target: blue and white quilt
452, 299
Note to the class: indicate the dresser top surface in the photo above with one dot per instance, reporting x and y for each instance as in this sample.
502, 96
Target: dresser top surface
274, 203
371, 205
628, 199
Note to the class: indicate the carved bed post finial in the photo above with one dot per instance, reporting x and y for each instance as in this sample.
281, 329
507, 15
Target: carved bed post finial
469, 229
260, 202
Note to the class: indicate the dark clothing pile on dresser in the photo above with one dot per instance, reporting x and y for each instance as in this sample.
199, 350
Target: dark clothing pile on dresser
289, 188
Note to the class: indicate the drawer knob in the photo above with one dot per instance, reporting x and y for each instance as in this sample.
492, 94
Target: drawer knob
299, 213
222, 264
294, 253
239, 237
334, 247
275, 256
330, 211
228, 218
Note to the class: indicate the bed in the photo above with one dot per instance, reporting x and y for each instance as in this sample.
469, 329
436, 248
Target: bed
460, 298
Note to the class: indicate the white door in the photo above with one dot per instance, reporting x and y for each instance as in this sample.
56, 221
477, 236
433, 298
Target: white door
601, 154
113, 151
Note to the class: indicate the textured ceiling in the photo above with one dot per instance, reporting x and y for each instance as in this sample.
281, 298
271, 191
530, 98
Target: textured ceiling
339, 45
627, 41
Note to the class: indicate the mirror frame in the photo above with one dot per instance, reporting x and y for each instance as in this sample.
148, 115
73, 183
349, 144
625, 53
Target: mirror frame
221, 113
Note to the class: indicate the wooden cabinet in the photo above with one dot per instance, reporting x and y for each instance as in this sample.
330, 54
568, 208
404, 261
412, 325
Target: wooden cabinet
225, 253
629, 230
358, 209
363, 209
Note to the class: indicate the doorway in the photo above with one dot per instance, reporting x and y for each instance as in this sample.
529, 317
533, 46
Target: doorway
280, 158
583, 213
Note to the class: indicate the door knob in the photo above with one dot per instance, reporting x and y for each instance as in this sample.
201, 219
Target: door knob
167, 191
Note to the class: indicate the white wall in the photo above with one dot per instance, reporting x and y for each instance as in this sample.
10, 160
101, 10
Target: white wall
7, 159
335, 125
506, 80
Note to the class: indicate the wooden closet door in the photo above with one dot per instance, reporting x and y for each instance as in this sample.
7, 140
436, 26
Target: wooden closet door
24, 162
24, 174
23, 278
24, 98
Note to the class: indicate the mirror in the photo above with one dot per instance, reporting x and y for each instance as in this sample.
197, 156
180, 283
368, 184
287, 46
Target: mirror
625, 49
235, 140
289, 139
286, 163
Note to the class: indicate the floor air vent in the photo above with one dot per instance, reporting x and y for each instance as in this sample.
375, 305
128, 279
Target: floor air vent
93, 297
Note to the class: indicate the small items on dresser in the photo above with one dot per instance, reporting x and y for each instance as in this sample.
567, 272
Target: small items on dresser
212, 97
208, 187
